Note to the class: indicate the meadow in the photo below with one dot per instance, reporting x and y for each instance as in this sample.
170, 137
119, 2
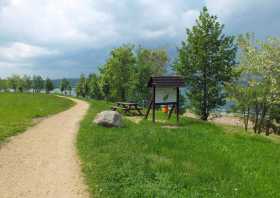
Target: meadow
21, 110
198, 159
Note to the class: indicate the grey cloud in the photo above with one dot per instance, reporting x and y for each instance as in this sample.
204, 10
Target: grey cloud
82, 33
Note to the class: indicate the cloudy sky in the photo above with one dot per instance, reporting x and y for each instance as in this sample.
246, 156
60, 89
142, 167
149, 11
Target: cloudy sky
64, 38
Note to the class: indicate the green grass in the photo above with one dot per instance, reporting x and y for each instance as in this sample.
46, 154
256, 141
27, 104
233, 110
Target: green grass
196, 160
17, 110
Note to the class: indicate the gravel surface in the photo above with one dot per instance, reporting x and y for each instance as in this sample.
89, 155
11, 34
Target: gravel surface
42, 162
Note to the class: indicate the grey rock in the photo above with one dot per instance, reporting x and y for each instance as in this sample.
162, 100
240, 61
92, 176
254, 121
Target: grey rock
109, 119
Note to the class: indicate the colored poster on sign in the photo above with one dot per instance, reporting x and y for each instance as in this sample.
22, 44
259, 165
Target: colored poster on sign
165, 95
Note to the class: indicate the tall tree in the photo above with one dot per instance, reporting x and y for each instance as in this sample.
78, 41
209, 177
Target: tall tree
27, 83
104, 83
259, 82
63, 86
117, 72
149, 62
206, 60
3, 85
127, 71
48, 85
37, 84
82, 87
13, 82
69, 88
94, 87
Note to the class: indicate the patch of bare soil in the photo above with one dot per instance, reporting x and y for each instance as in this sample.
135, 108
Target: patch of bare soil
221, 119
135, 119
170, 127
233, 121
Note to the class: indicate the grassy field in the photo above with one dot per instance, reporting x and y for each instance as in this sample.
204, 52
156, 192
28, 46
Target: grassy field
196, 160
17, 110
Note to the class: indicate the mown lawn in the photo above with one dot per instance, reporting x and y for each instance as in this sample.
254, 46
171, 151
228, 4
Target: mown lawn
17, 110
196, 160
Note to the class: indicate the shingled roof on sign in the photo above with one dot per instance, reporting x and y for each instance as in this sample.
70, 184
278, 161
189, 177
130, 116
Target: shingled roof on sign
166, 81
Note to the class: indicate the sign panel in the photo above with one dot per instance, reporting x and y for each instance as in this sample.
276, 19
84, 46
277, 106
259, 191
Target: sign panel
165, 95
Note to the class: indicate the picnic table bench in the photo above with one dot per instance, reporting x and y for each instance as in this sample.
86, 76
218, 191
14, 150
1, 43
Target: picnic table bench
128, 108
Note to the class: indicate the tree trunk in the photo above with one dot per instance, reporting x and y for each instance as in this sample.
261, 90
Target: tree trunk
267, 128
205, 112
268, 124
263, 114
246, 118
256, 118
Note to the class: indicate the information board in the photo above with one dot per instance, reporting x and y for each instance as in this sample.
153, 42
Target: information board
165, 95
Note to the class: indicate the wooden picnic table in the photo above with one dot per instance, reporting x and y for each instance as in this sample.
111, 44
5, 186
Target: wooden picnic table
128, 108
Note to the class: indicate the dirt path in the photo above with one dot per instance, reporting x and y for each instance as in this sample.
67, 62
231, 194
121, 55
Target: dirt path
42, 162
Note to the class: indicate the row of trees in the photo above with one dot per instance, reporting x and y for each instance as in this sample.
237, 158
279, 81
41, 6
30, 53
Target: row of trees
25, 83
36, 84
125, 74
207, 60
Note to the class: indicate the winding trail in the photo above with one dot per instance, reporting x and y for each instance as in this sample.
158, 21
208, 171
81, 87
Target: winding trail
42, 162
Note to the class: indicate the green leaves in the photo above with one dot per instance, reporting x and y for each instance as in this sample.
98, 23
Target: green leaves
258, 88
127, 71
206, 60
82, 88
116, 73
48, 85
65, 85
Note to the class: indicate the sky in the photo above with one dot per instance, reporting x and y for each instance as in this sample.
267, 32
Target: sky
64, 38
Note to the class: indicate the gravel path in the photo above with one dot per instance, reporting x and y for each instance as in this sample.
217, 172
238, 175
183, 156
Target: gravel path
42, 162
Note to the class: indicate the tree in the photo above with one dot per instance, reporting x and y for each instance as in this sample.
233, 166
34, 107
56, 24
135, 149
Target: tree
117, 72
27, 83
149, 62
69, 88
206, 60
127, 71
13, 82
48, 85
20, 83
37, 84
243, 96
64, 86
82, 87
104, 84
3, 85
94, 87
259, 81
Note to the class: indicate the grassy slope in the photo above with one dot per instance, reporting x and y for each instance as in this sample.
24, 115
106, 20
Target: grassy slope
196, 160
18, 109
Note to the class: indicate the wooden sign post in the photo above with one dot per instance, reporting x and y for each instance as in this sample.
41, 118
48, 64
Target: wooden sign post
165, 91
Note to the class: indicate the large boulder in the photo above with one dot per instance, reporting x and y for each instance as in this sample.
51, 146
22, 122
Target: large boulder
109, 119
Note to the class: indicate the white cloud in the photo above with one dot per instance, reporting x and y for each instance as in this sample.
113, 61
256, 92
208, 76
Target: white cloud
50, 32
21, 52
225, 8
91, 23
189, 16
52, 22
8, 68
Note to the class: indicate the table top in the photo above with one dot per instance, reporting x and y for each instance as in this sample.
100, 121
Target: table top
127, 103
